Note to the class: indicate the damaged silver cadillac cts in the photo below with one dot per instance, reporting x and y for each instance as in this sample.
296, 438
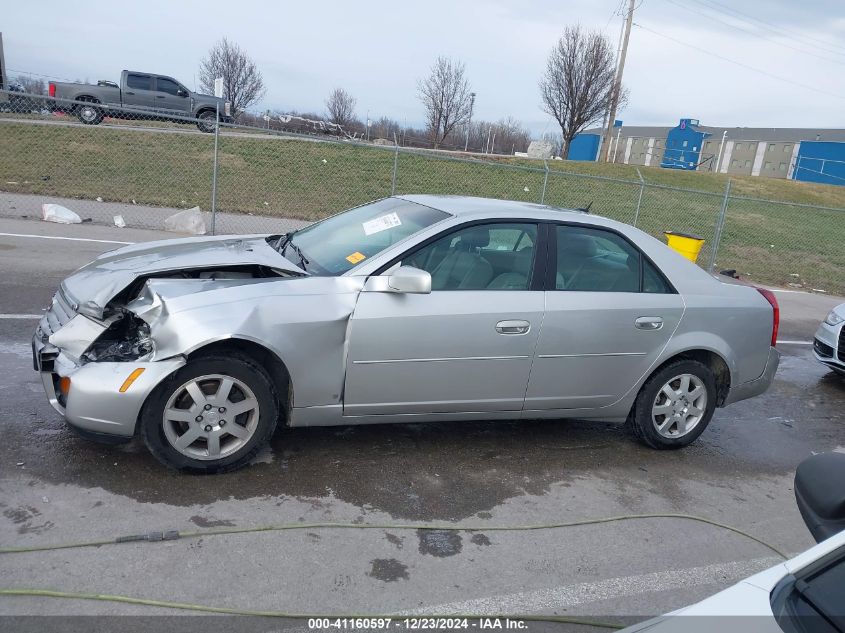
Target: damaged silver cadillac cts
411, 308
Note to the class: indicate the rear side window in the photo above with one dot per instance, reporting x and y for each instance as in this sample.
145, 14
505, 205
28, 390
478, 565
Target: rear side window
653, 281
139, 82
596, 260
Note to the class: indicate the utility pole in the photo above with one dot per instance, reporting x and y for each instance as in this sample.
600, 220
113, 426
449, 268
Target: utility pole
617, 84
3, 79
469, 122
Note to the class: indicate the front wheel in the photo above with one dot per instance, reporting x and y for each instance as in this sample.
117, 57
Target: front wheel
206, 121
675, 405
211, 416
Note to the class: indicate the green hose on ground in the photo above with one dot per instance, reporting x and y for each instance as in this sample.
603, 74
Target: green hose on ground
47, 593
173, 535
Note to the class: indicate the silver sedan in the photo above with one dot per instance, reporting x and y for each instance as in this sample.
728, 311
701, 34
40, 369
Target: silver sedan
412, 308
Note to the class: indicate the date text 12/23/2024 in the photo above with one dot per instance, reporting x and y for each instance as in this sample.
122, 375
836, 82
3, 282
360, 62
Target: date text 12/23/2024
414, 624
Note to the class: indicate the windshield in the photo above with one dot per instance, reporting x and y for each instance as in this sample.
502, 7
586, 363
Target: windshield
339, 243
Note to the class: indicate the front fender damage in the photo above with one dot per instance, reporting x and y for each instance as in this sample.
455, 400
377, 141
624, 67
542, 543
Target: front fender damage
303, 322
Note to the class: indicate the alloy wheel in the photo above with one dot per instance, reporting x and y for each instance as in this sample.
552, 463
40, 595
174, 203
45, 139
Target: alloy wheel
210, 417
679, 406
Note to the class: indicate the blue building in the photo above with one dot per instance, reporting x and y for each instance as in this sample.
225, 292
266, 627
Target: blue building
585, 147
683, 146
820, 161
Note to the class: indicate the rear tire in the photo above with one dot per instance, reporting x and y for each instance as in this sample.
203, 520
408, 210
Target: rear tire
211, 416
674, 406
88, 113
206, 121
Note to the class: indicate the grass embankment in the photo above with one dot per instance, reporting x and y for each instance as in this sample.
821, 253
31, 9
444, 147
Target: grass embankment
300, 179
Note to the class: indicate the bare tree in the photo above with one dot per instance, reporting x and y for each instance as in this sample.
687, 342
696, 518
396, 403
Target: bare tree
31, 85
341, 107
242, 81
578, 83
445, 95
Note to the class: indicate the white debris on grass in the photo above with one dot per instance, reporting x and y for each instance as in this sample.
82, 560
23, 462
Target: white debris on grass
57, 213
99, 199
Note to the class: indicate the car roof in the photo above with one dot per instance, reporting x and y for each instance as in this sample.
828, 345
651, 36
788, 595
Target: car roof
476, 206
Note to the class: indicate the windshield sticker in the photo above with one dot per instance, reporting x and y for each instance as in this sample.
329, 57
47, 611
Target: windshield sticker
356, 257
383, 223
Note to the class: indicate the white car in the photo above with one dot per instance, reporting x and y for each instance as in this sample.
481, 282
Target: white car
805, 594
829, 342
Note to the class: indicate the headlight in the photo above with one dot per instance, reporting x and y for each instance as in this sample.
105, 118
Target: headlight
833, 318
127, 339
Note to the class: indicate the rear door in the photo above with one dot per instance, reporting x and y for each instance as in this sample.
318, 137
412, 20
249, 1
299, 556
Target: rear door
609, 314
171, 97
138, 91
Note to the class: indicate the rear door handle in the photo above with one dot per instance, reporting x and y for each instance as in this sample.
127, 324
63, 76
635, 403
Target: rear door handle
513, 327
649, 323
161, 97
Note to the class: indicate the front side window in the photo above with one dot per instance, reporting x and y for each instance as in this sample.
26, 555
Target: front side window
139, 82
167, 85
594, 260
339, 243
480, 257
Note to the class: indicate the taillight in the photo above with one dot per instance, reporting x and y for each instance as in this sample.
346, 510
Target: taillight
52, 90
769, 296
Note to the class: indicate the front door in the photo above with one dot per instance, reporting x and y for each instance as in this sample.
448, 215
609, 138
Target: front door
609, 316
465, 347
171, 97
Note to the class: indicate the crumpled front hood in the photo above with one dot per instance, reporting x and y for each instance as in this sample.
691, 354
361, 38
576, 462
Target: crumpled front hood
91, 287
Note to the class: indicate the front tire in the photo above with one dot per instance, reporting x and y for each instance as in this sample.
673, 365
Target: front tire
675, 405
206, 121
211, 416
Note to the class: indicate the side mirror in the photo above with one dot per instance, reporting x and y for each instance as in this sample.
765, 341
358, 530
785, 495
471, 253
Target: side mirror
820, 494
182, 93
409, 279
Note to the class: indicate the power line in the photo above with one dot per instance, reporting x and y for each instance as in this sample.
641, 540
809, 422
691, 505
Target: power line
760, 35
742, 64
746, 17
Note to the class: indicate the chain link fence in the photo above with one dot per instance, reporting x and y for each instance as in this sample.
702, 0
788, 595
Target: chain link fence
145, 167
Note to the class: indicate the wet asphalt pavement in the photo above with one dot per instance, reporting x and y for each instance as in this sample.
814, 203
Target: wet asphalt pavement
57, 488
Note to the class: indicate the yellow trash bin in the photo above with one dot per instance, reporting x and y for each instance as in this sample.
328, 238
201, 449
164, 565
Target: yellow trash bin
687, 245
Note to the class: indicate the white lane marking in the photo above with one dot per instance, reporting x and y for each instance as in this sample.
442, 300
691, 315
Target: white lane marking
56, 237
556, 598
795, 342
21, 316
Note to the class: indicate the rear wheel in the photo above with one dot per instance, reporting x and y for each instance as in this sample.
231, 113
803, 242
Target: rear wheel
675, 405
206, 121
89, 113
213, 415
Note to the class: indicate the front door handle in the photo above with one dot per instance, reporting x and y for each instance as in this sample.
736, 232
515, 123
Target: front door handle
649, 323
513, 327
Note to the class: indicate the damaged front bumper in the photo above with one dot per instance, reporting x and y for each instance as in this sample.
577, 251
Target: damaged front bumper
93, 398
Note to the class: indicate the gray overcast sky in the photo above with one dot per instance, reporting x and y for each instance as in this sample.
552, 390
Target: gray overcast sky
378, 49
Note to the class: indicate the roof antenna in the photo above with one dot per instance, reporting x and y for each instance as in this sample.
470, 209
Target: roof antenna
585, 209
